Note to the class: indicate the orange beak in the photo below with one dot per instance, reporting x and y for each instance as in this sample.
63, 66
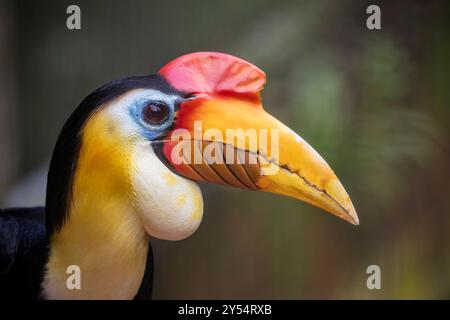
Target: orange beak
227, 138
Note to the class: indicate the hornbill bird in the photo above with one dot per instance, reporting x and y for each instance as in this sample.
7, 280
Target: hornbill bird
118, 176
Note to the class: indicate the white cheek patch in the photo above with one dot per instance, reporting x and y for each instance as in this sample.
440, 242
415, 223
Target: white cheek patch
170, 206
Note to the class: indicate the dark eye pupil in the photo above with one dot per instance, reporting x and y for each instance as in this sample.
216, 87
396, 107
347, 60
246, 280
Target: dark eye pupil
155, 113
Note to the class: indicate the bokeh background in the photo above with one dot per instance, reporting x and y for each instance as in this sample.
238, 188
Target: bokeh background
375, 104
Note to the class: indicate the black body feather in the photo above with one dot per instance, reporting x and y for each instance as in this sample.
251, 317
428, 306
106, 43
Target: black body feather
23, 252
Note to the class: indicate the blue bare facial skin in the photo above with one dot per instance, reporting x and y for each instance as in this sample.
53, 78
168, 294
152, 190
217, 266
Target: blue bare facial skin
164, 104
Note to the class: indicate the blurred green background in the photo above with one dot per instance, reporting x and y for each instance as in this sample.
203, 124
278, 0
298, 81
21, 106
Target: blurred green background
375, 104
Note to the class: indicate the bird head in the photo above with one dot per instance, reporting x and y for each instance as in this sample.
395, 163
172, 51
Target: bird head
200, 118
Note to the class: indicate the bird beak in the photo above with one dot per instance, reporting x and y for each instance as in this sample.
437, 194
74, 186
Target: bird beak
235, 142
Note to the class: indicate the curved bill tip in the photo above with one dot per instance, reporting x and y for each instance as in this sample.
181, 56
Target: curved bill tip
351, 216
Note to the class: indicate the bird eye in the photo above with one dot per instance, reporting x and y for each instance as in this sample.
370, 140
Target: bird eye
156, 113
